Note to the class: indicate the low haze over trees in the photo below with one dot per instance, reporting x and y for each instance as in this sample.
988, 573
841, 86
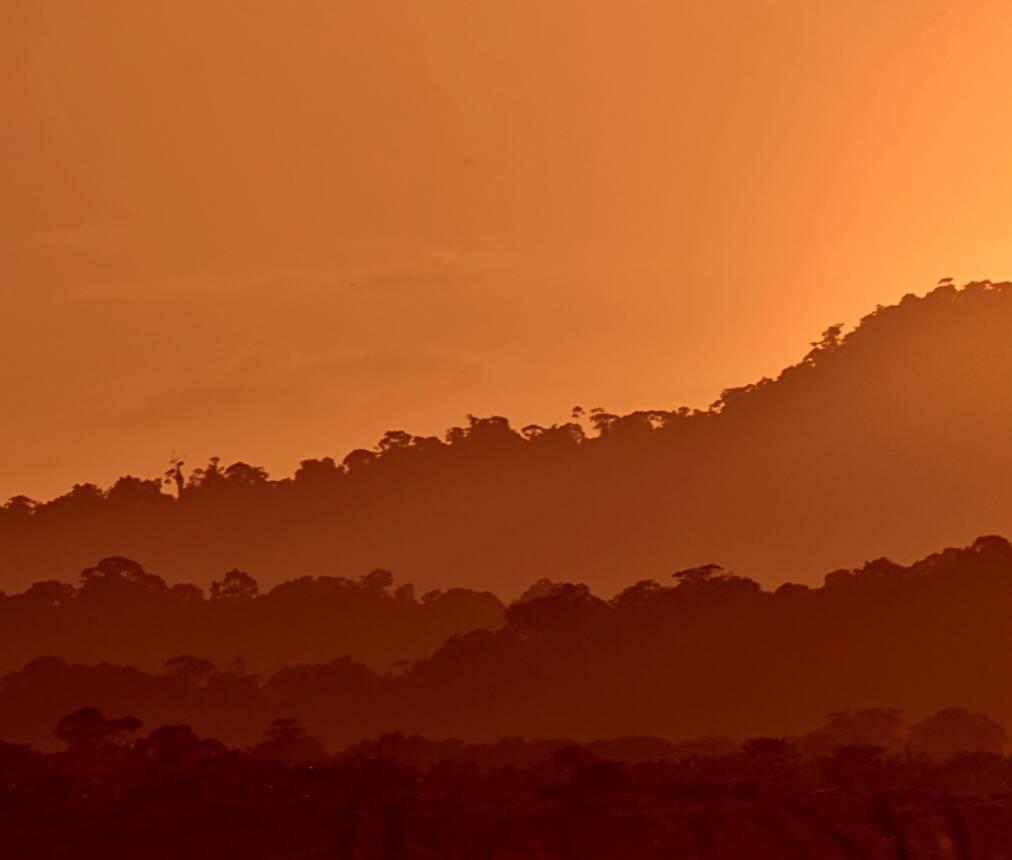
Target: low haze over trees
119, 612
705, 653
887, 439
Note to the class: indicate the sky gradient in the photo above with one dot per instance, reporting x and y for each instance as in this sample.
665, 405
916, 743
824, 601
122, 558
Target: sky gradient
273, 231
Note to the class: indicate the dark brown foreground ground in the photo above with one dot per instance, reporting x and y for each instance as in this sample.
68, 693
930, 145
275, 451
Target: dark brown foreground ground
174, 796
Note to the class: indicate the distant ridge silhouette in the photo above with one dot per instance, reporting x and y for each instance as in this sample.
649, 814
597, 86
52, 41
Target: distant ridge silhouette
888, 440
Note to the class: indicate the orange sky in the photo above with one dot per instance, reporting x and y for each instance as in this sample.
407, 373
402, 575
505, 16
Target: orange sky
274, 230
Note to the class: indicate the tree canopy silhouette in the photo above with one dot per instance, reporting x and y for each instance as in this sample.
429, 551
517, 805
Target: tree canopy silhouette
875, 440
705, 653
121, 613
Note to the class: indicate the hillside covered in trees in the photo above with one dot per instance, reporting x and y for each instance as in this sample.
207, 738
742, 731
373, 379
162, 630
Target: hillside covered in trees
890, 439
705, 653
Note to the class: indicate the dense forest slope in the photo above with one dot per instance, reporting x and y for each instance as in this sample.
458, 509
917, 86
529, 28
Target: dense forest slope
889, 440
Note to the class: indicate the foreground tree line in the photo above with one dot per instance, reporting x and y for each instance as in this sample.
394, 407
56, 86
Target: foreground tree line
844, 790
707, 653
784, 478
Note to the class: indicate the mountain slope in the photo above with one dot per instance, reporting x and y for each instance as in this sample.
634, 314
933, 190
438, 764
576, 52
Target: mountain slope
889, 440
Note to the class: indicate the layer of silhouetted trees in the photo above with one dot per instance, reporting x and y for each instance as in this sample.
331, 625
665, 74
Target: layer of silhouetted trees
861, 786
120, 613
705, 653
891, 438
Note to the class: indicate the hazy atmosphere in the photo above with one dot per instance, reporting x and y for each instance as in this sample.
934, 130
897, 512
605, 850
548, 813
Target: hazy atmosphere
272, 231
505, 430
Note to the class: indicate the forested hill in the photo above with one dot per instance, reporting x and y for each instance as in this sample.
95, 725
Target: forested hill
891, 439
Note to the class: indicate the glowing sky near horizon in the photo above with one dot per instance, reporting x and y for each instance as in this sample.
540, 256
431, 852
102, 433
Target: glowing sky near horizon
272, 231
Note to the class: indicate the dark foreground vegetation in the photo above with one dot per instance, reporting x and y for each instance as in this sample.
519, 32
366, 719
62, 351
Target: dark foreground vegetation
890, 439
704, 653
169, 794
